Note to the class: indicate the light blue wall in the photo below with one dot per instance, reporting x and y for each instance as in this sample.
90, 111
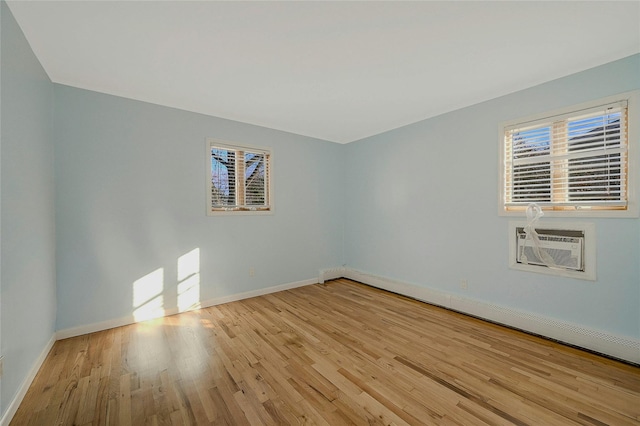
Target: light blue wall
130, 179
422, 207
1, 352
27, 215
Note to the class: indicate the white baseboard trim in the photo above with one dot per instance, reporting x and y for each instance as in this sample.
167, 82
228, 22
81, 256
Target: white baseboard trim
96, 326
331, 274
24, 387
119, 322
620, 347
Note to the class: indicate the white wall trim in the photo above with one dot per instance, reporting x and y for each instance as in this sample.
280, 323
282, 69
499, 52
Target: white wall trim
620, 347
331, 274
119, 322
24, 387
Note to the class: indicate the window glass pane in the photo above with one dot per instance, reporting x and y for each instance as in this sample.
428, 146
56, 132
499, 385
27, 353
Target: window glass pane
531, 142
223, 177
595, 178
255, 179
600, 132
532, 182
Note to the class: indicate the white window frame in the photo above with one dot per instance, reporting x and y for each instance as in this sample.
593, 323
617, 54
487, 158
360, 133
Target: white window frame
633, 112
240, 209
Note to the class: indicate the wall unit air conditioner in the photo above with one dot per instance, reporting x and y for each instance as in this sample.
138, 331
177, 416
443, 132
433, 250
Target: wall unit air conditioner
571, 245
566, 251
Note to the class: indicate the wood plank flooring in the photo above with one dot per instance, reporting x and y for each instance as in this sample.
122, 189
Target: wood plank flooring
327, 354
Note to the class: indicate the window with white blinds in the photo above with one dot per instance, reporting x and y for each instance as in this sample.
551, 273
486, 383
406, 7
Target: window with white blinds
577, 160
239, 178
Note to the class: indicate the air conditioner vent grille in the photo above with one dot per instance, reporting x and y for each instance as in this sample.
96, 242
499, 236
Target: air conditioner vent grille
569, 247
565, 248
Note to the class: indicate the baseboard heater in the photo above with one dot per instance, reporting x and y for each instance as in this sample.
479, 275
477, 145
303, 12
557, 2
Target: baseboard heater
622, 348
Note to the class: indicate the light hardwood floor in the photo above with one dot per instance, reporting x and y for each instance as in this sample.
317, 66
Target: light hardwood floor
330, 354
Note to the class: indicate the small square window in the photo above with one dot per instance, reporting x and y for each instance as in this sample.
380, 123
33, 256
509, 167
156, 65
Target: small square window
238, 178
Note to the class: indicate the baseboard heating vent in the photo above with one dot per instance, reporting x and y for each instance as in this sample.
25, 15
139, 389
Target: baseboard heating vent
615, 346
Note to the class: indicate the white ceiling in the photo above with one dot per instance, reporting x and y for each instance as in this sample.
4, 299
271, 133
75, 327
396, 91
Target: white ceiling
338, 71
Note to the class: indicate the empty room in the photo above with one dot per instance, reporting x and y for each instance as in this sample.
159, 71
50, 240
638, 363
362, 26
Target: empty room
246, 213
